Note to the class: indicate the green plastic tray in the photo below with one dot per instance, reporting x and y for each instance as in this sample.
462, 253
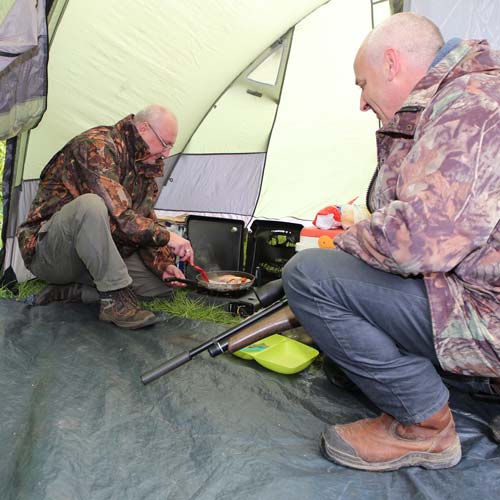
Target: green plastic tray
279, 354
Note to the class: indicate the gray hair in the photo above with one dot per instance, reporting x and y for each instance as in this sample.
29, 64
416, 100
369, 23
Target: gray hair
414, 36
153, 114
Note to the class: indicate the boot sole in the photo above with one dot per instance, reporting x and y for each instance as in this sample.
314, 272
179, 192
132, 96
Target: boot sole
442, 460
131, 325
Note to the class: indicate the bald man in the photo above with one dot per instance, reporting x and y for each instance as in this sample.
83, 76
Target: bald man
414, 289
92, 232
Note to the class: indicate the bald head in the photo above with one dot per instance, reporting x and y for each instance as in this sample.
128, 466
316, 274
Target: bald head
391, 61
417, 39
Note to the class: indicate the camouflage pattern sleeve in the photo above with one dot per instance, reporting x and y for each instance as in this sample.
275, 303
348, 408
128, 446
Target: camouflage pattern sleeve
447, 193
96, 170
157, 259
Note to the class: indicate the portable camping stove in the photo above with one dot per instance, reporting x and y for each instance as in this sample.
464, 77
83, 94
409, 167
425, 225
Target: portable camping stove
243, 303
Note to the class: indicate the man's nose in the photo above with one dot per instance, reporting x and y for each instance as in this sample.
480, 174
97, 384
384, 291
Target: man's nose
363, 105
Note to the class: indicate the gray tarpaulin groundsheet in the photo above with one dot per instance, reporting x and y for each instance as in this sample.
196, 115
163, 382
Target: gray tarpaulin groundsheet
77, 423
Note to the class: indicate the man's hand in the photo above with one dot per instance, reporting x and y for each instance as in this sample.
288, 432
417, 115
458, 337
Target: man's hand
181, 247
173, 272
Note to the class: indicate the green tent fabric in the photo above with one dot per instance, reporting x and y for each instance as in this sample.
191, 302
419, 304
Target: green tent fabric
255, 87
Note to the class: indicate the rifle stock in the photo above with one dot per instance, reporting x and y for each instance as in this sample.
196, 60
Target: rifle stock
279, 321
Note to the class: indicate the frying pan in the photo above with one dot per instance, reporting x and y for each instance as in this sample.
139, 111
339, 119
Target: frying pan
218, 287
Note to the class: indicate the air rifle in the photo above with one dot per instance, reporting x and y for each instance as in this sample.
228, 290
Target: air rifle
275, 318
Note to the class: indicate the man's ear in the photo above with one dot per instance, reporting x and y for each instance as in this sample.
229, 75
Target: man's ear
392, 62
142, 126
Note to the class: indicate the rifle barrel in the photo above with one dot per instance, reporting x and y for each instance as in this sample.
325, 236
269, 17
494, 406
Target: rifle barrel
186, 356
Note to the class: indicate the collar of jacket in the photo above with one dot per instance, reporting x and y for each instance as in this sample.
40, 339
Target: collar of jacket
137, 148
467, 57
453, 65
404, 122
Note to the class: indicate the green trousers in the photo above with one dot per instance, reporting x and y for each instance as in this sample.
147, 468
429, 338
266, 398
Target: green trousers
75, 246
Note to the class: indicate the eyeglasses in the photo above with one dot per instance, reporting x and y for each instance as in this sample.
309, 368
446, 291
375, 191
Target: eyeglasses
166, 146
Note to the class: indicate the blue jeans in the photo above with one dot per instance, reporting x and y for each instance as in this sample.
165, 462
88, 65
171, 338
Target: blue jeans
376, 326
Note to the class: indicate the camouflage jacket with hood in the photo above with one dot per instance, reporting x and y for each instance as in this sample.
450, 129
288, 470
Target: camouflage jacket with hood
435, 204
105, 161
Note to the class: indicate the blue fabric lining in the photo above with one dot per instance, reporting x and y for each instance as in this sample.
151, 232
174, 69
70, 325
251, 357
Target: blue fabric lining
446, 49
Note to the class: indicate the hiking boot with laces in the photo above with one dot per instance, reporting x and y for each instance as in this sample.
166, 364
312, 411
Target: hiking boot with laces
57, 293
121, 307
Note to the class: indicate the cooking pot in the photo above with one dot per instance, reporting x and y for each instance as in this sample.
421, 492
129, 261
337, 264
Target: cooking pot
215, 286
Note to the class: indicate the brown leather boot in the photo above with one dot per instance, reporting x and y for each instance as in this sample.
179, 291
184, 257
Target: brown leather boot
121, 307
383, 444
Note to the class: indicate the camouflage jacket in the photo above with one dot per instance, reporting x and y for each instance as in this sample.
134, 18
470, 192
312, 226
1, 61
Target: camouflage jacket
104, 161
435, 204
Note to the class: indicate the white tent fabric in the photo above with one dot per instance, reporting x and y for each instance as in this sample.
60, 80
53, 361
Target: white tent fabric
462, 18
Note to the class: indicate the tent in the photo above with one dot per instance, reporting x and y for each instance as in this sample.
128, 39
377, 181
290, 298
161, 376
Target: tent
255, 86
263, 92
269, 128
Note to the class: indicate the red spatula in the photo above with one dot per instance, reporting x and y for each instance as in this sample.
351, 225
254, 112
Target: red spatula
204, 275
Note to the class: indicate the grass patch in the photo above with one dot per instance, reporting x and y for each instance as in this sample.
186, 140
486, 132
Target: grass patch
185, 307
5, 293
24, 290
30, 287
181, 305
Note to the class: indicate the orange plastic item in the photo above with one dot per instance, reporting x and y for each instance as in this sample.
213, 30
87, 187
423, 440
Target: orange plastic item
325, 241
312, 237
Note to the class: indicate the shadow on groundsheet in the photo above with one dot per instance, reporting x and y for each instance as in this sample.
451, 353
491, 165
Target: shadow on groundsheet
77, 423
